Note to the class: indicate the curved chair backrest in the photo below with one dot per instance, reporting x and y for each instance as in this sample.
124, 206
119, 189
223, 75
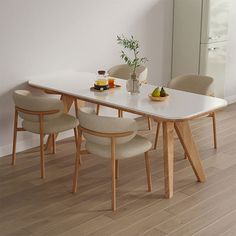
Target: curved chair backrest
193, 83
25, 100
112, 125
123, 71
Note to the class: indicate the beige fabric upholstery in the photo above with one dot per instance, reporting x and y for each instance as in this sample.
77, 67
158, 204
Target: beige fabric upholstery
57, 125
52, 123
136, 146
123, 71
25, 100
125, 147
89, 120
193, 83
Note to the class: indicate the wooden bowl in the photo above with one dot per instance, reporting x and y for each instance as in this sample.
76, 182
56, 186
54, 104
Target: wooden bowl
158, 99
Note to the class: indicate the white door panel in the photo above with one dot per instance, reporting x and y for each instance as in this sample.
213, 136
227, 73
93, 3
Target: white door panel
215, 20
186, 37
213, 63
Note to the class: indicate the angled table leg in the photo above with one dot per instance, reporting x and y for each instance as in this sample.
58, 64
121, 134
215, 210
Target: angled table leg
186, 138
68, 101
168, 151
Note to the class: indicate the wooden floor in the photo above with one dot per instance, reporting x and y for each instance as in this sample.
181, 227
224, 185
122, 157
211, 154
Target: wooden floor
31, 206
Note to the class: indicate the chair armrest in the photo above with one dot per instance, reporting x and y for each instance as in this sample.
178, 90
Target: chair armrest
49, 112
106, 135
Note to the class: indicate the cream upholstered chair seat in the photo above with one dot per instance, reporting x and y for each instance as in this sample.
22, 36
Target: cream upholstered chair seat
57, 125
132, 148
41, 115
112, 138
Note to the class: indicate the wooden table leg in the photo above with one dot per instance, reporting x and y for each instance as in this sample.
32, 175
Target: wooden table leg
168, 149
186, 138
68, 101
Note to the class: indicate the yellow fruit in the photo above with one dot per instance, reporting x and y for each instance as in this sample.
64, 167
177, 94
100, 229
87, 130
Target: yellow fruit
156, 92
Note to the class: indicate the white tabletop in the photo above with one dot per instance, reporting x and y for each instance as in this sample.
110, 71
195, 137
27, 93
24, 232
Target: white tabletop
179, 106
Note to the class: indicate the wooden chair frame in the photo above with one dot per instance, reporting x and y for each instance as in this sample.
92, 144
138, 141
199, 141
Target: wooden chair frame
114, 162
40, 115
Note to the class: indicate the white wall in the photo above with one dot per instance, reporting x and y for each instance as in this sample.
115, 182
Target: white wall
230, 83
43, 36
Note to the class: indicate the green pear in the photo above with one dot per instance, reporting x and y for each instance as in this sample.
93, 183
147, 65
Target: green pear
156, 92
163, 92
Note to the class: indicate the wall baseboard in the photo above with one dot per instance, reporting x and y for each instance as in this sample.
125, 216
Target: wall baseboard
231, 99
30, 143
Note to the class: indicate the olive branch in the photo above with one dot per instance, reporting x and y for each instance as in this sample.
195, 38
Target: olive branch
132, 45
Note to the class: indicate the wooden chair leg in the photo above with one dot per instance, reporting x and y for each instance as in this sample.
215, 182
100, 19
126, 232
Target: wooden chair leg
214, 129
42, 161
14, 138
148, 172
98, 109
113, 179
54, 143
76, 108
117, 169
120, 113
149, 123
157, 134
78, 137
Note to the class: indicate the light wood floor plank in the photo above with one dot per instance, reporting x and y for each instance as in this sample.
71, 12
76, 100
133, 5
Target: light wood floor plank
219, 226
207, 218
193, 212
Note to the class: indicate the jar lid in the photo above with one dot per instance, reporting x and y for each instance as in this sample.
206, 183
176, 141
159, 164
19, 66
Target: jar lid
101, 72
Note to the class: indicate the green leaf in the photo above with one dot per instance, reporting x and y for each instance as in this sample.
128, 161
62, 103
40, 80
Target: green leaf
132, 45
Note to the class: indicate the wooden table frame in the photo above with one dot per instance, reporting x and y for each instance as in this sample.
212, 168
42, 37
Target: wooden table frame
182, 129
186, 138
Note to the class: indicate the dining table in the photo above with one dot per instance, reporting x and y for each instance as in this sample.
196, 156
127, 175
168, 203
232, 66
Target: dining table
175, 112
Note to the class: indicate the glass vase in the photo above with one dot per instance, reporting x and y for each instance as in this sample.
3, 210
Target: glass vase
133, 84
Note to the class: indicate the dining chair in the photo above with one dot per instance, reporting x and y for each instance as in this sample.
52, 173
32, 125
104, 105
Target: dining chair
43, 116
110, 138
198, 84
123, 71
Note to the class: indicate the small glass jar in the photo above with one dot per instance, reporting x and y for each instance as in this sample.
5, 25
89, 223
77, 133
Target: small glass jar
101, 76
101, 82
111, 82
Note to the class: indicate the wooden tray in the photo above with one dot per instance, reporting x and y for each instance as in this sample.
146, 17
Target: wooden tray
158, 99
96, 90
